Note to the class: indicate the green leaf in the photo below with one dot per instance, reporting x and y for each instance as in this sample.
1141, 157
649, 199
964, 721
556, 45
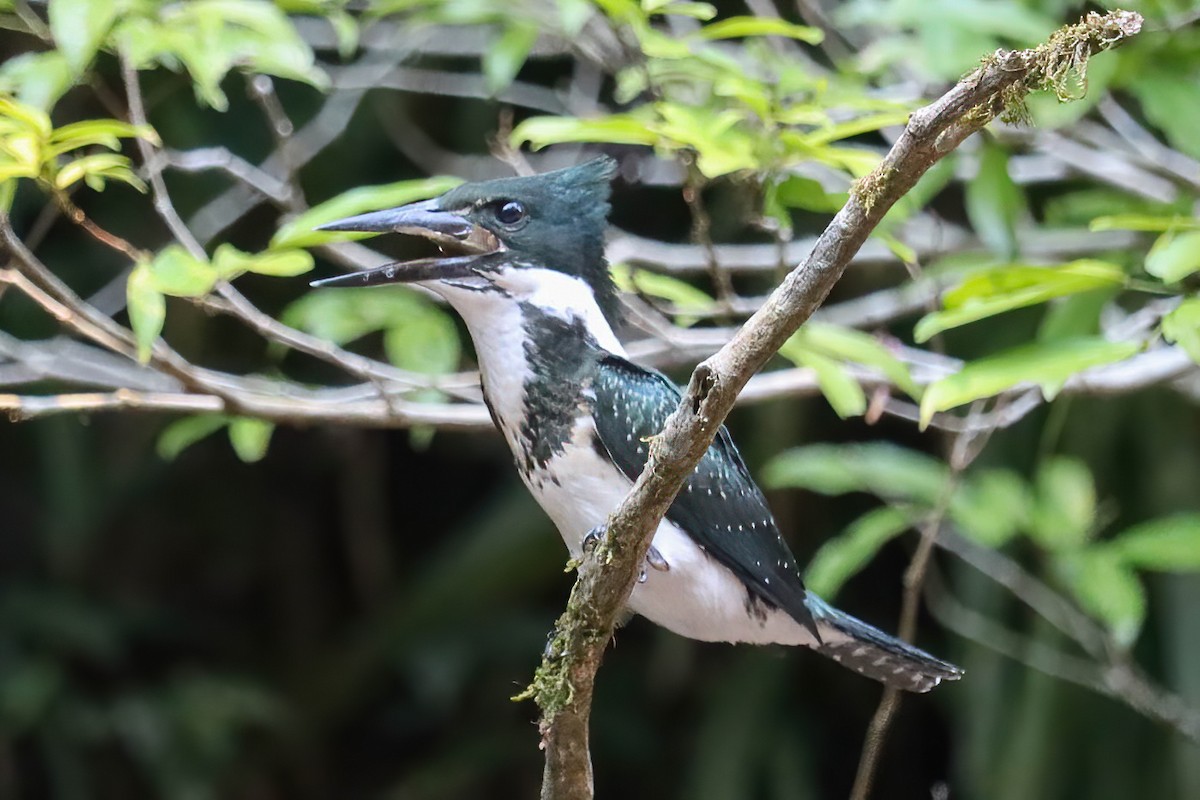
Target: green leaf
573, 15
504, 57
1168, 544
741, 27
891, 472
844, 556
994, 291
683, 296
147, 309
1064, 512
807, 193
1143, 222
992, 507
701, 11
298, 232
1107, 590
37, 79
1170, 99
175, 272
840, 389
112, 166
857, 126
1048, 364
250, 437
106, 132
79, 26
345, 28
847, 344
425, 340
994, 202
183, 433
230, 262
1077, 315
1174, 256
34, 120
613, 129
1182, 326
418, 335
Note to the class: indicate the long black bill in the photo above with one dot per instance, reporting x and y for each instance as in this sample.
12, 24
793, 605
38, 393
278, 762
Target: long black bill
427, 220
422, 269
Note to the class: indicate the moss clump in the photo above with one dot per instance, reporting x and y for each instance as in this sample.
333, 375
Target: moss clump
1060, 65
870, 188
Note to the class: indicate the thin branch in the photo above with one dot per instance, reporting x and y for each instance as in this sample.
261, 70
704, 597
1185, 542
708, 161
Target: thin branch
1114, 678
564, 684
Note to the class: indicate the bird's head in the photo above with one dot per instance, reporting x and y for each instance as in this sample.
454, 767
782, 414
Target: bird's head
503, 240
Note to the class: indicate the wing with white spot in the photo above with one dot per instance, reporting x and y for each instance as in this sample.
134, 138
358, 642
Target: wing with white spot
719, 507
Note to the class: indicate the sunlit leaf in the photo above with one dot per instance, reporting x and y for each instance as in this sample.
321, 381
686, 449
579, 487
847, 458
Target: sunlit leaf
844, 556
345, 28
1064, 512
417, 334
994, 291
681, 295
147, 309
79, 27
701, 11
298, 232
112, 166
1077, 315
1167, 544
174, 271
843, 392
882, 469
1144, 222
1182, 326
107, 132
250, 437
230, 262
858, 125
798, 191
847, 344
504, 57
36, 79
183, 433
424, 340
1174, 256
33, 119
1107, 590
994, 202
991, 507
613, 129
1048, 364
740, 27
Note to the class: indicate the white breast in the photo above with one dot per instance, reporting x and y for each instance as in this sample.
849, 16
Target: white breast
696, 597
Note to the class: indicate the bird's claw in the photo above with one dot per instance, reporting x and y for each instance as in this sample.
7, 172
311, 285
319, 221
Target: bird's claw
654, 558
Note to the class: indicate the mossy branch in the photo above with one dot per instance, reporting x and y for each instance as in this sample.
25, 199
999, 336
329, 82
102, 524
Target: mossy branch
564, 682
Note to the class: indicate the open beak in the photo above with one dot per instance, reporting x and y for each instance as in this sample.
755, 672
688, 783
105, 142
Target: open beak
465, 243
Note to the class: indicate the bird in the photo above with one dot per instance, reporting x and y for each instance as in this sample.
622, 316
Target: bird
521, 260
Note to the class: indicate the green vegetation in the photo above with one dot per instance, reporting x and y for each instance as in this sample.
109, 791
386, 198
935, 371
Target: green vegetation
304, 608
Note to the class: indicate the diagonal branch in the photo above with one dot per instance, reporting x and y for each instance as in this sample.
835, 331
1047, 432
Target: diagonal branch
564, 683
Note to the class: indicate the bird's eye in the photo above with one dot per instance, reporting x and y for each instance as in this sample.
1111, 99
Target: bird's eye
510, 213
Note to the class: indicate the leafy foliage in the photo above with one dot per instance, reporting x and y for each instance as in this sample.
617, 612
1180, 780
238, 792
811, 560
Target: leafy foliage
206, 629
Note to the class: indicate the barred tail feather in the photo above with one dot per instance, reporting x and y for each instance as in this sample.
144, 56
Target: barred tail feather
873, 653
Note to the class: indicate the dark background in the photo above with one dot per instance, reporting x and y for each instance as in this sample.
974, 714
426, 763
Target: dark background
350, 616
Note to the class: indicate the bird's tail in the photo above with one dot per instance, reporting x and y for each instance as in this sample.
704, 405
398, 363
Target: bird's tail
871, 652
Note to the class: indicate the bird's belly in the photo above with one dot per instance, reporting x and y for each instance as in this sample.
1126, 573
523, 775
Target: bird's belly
696, 596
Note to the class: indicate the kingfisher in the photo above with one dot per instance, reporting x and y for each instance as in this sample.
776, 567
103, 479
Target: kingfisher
522, 262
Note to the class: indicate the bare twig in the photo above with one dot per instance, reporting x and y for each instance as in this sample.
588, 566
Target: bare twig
564, 683
1110, 674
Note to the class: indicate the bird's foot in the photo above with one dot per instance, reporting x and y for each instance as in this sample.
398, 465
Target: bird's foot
654, 558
